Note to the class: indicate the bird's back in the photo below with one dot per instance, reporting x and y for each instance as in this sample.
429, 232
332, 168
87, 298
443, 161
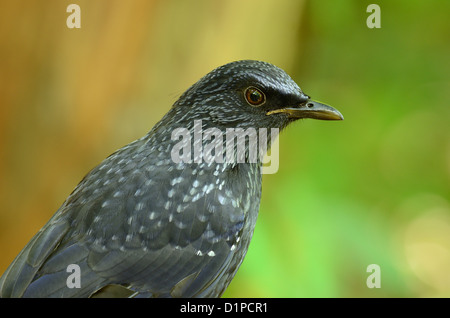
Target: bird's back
140, 222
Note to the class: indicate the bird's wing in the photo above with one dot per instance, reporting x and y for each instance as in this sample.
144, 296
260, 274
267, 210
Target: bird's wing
22, 271
149, 233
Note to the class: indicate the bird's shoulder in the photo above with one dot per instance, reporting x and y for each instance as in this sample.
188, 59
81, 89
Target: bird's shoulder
139, 198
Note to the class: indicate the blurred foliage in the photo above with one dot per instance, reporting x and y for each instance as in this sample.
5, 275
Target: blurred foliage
373, 189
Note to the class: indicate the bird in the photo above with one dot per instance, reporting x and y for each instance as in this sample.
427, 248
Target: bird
148, 223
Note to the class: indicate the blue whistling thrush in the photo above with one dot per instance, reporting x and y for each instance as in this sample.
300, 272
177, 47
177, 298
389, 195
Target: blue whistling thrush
142, 224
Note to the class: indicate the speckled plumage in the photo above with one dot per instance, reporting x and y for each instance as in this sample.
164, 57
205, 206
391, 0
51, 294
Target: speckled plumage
141, 225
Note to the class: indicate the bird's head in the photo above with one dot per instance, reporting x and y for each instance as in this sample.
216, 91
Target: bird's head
248, 94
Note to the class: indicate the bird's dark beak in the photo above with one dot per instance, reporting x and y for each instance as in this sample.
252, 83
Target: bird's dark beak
310, 109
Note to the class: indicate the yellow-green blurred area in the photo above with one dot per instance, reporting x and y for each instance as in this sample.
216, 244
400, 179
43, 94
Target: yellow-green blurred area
372, 189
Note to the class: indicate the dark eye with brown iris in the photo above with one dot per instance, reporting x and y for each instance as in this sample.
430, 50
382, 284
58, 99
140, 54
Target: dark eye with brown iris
254, 96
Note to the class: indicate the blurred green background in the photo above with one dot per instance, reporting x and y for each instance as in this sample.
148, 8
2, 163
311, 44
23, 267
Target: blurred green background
373, 189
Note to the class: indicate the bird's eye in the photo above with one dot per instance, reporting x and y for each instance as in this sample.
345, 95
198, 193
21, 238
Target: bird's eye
254, 96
